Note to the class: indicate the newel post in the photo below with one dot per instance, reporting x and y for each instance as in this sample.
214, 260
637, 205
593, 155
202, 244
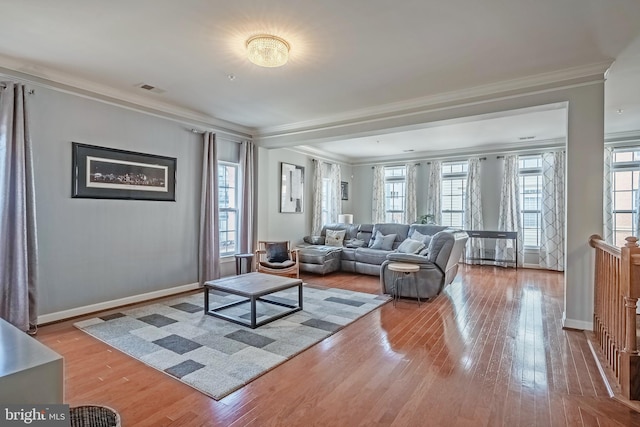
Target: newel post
629, 357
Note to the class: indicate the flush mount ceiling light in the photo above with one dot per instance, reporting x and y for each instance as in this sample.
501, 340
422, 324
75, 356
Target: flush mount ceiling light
268, 51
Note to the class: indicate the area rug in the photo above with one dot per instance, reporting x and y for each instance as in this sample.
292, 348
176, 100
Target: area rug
218, 357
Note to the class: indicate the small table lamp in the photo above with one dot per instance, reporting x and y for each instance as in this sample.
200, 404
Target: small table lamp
345, 218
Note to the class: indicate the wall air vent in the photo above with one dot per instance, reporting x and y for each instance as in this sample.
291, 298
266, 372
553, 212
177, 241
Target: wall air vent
149, 88
526, 138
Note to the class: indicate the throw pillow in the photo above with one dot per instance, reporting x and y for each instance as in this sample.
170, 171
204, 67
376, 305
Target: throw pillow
335, 237
424, 238
314, 240
277, 252
410, 246
383, 242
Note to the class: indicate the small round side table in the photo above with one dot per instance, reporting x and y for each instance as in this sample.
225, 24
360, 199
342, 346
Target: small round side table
403, 271
248, 262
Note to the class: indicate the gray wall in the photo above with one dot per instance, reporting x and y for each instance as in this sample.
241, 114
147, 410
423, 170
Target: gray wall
93, 250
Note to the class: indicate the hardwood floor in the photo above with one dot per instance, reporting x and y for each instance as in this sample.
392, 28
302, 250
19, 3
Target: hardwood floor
488, 351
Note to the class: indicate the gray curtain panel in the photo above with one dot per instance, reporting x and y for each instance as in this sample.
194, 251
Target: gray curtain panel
209, 265
509, 219
18, 244
247, 171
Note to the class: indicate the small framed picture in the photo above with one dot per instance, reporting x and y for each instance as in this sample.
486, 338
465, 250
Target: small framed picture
344, 190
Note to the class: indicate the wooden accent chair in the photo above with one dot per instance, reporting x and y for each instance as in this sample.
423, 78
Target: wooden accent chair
277, 258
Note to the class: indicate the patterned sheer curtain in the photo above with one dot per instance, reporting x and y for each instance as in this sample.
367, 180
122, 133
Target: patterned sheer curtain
247, 174
377, 208
607, 197
335, 199
434, 195
209, 266
473, 211
509, 216
18, 242
411, 204
316, 214
552, 226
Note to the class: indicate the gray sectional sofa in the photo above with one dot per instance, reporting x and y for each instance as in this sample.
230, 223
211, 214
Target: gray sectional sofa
438, 263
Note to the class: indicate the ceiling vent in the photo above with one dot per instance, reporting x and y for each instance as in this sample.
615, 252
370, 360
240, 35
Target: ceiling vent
149, 88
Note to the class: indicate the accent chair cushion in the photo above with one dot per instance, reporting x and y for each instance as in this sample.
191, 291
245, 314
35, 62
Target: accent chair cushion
410, 246
335, 237
383, 242
284, 264
277, 251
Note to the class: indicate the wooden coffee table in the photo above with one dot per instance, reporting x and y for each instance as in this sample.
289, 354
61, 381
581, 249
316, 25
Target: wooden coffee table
254, 287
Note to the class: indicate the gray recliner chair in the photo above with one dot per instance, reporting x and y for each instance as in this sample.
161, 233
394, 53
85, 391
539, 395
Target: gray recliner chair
437, 268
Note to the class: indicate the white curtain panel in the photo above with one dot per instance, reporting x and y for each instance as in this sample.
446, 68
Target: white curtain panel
247, 217
552, 226
209, 266
18, 245
316, 214
473, 211
434, 192
411, 203
335, 198
377, 208
607, 197
509, 214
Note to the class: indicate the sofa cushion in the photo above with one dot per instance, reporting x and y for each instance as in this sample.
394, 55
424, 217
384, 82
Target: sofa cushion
335, 237
383, 242
318, 254
354, 243
410, 246
371, 256
277, 251
314, 240
348, 254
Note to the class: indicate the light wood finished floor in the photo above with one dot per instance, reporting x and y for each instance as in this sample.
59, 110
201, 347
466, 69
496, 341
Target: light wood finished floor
489, 351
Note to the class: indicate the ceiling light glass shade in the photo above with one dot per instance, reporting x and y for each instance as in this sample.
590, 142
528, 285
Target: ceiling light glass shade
268, 51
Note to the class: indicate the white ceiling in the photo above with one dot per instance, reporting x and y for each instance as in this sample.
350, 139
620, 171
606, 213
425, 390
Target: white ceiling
347, 57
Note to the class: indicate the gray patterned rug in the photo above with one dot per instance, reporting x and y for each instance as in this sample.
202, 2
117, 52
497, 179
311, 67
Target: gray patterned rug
218, 357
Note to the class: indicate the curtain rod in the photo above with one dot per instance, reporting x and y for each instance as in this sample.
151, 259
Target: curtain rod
29, 91
392, 166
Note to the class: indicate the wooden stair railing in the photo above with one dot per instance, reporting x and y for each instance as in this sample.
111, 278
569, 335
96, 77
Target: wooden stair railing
617, 288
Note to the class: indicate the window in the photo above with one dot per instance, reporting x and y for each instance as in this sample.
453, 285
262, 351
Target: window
395, 184
625, 170
454, 189
228, 207
530, 175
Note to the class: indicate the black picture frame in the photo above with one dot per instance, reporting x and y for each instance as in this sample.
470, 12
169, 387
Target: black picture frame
291, 188
109, 173
344, 190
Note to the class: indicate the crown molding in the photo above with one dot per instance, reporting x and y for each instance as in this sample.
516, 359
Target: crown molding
55, 80
622, 137
570, 77
515, 147
320, 154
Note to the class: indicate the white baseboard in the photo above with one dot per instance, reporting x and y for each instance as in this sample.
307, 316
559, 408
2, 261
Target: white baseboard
79, 311
576, 324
